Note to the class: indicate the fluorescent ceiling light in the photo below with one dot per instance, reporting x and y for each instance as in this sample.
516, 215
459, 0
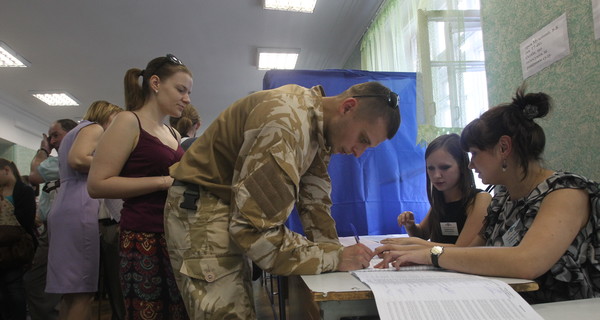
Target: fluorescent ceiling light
273, 58
291, 5
56, 98
9, 58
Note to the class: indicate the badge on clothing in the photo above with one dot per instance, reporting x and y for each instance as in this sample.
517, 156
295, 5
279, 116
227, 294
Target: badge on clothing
511, 237
449, 228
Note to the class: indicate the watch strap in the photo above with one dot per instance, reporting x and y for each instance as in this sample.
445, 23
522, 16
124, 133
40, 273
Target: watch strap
436, 252
434, 260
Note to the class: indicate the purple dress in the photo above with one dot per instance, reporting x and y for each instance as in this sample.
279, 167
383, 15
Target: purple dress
74, 251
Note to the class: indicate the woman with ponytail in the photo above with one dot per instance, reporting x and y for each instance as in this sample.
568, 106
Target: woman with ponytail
132, 163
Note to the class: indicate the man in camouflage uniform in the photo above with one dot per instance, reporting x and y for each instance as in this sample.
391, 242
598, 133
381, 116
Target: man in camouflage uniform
237, 184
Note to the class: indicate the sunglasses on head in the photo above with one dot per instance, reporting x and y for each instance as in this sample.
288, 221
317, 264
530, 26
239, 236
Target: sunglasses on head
392, 98
170, 59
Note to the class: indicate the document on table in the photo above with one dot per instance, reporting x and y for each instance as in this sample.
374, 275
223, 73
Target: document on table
367, 241
372, 242
444, 295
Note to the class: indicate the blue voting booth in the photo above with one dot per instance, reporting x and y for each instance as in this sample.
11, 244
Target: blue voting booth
370, 192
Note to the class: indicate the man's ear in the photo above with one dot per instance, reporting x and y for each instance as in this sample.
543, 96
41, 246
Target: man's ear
348, 105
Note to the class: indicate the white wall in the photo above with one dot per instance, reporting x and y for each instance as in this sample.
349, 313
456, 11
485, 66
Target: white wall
20, 127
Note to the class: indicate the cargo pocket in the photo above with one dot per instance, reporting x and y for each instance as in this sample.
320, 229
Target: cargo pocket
211, 269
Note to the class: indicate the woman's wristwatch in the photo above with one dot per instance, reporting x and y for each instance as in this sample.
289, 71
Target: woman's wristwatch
436, 252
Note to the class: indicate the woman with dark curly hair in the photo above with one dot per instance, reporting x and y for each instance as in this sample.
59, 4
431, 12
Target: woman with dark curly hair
543, 224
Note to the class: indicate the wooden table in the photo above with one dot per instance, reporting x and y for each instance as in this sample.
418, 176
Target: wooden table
340, 294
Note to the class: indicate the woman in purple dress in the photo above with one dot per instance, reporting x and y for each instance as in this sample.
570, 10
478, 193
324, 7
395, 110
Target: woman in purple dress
74, 249
133, 163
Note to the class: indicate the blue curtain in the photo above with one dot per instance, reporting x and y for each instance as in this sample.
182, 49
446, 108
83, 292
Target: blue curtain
372, 190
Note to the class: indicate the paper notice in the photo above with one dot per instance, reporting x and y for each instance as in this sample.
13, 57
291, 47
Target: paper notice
545, 47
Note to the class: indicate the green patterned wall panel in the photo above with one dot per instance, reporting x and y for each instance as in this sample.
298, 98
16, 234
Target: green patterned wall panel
573, 127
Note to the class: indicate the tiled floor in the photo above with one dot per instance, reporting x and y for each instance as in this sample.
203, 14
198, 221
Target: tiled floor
264, 309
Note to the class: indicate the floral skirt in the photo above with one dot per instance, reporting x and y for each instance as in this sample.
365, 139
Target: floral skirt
149, 287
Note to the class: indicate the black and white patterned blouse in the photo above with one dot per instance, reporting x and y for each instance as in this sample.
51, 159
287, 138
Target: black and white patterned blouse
576, 275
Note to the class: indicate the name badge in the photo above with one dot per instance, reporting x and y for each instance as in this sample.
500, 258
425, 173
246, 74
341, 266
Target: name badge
511, 237
449, 228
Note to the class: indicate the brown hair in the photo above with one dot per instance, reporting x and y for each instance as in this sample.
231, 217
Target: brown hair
12, 166
163, 67
100, 112
514, 119
189, 118
466, 183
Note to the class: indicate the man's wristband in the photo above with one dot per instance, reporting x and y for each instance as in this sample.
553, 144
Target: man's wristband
46, 151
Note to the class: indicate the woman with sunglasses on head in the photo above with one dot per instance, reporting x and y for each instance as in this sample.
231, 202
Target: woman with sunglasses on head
457, 207
541, 224
132, 163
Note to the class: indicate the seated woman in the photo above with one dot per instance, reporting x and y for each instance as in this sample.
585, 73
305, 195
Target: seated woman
542, 224
457, 207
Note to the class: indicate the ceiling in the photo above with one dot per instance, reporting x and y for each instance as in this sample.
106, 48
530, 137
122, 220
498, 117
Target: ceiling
85, 47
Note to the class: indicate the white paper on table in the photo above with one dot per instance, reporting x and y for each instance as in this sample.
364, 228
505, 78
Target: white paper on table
372, 242
444, 295
376, 260
367, 241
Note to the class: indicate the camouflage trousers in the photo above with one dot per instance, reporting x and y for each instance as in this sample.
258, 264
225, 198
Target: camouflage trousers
213, 275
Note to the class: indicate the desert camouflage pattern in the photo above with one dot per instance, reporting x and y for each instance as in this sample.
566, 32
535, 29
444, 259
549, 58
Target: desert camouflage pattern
213, 275
263, 155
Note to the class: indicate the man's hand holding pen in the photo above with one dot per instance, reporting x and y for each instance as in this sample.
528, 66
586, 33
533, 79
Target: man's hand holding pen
357, 256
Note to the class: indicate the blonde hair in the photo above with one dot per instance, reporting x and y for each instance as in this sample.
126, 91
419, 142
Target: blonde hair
189, 118
100, 112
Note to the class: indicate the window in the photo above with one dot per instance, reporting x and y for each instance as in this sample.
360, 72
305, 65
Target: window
452, 66
442, 41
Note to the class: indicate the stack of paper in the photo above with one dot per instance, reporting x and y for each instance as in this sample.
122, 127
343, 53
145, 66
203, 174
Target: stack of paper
443, 295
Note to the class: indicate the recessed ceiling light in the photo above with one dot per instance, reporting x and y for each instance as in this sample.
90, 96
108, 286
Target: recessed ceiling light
56, 98
273, 58
291, 5
9, 58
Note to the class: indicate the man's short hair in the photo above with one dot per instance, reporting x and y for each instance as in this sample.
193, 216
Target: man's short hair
67, 124
377, 101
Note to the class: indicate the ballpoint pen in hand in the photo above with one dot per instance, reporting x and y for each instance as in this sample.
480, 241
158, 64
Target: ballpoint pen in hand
355, 233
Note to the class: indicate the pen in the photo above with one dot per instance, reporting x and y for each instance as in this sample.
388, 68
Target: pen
355, 233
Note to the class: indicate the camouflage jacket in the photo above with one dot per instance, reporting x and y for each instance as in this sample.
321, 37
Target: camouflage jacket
263, 155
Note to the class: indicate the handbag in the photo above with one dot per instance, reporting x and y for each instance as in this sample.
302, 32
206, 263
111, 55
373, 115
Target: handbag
16, 245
